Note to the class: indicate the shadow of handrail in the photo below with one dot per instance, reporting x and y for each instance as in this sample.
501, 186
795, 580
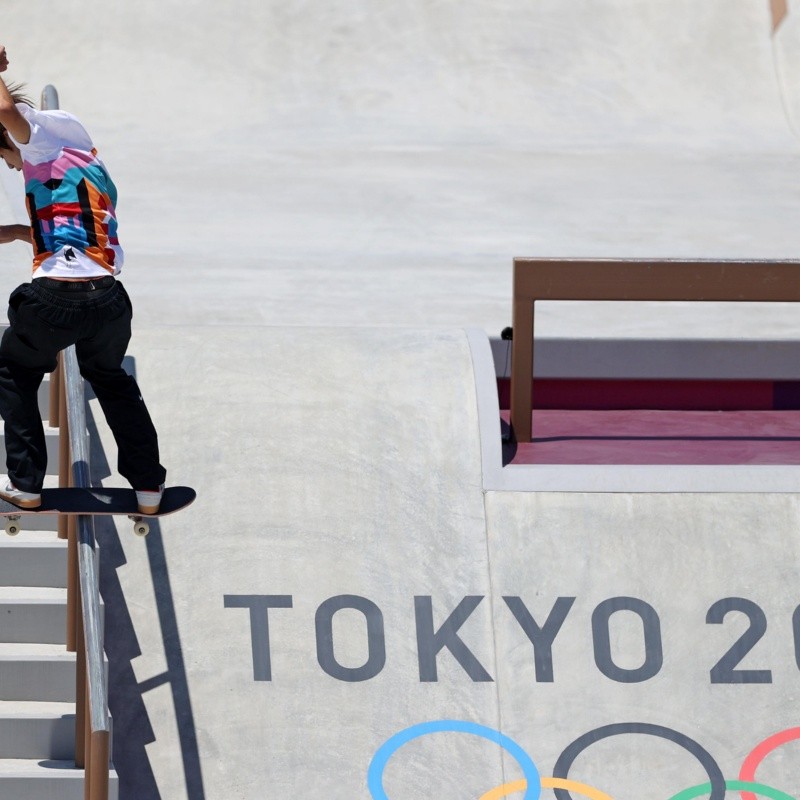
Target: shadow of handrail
132, 728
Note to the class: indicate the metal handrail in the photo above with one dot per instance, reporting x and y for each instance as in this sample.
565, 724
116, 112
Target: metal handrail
92, 683
629, 279
84, 622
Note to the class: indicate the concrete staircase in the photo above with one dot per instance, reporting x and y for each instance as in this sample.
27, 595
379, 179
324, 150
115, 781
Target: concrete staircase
37, 674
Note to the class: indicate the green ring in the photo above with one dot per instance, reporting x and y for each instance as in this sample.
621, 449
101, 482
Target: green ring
748, 786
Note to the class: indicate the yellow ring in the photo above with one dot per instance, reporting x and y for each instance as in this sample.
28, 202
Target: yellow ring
547, 783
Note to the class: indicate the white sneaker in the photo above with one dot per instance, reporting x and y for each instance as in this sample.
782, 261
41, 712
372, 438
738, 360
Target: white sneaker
18, 497
149, 500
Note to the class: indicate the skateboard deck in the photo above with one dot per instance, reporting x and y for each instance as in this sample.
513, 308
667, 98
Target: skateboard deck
98, 502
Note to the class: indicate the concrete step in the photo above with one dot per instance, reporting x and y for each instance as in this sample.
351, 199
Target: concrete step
41, 672
44, 393
51, 440
28, 779
43, 397
31, 614
37, 730
33, 558
39, 522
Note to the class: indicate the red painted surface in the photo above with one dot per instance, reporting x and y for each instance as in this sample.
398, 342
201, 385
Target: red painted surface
662, 437
689, 395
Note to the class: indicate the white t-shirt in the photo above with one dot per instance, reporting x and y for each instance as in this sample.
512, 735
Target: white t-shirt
71, 199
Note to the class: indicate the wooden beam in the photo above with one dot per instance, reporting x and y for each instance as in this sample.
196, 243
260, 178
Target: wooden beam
628, 279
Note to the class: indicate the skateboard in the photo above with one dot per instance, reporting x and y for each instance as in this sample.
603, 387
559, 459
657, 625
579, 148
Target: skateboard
98, 502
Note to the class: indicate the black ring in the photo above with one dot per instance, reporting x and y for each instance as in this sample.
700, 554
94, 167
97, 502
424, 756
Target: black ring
572, 751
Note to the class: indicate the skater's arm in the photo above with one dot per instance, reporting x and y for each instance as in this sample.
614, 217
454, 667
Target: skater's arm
10, 117
15, 233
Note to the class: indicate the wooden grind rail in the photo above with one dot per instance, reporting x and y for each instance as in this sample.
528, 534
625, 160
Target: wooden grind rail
629, 279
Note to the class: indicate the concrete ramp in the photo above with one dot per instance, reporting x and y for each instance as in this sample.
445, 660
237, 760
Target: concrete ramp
548, 74
366, 619
369, 163
366, 451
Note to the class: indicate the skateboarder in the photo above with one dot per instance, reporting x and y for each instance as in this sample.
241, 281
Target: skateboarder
73, 298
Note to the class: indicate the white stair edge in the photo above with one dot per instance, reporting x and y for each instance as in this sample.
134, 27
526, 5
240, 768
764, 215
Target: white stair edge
21, 767
40, 779
13, 651
29, 537
35, 709
32, 595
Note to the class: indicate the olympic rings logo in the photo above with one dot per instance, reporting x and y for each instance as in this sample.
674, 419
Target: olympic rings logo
533, 783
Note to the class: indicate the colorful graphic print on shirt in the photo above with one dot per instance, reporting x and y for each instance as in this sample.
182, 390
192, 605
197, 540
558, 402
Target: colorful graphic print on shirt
71, 205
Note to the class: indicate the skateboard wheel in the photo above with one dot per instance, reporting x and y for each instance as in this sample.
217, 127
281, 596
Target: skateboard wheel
12, 527
141, 528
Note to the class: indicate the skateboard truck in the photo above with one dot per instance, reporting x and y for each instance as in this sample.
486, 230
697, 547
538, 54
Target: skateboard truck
141, 527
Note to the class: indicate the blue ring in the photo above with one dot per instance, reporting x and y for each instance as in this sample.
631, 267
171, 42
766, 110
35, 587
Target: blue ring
391, 746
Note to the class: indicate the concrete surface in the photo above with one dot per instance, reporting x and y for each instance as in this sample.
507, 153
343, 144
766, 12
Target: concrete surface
315, 200
371, 494
377, 164
680, 555
396, 483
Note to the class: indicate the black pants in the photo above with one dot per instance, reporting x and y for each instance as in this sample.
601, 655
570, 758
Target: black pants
44, 321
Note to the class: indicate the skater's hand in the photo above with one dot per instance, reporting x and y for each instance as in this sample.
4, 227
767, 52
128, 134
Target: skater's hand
3, 58
12, 233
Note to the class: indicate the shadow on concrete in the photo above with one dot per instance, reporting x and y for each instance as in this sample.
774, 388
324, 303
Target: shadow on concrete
132, 731
508, 442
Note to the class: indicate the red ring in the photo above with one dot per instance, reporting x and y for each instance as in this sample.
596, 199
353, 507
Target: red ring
760, 752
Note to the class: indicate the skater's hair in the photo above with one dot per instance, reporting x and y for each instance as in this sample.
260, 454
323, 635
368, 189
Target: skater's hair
18, 96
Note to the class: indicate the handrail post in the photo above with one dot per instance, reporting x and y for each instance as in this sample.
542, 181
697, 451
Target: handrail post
66, 524
64, 471
67, 529
87, 764
521, 361
56, 377
98, 767
87, 750
81, 693
74, 614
